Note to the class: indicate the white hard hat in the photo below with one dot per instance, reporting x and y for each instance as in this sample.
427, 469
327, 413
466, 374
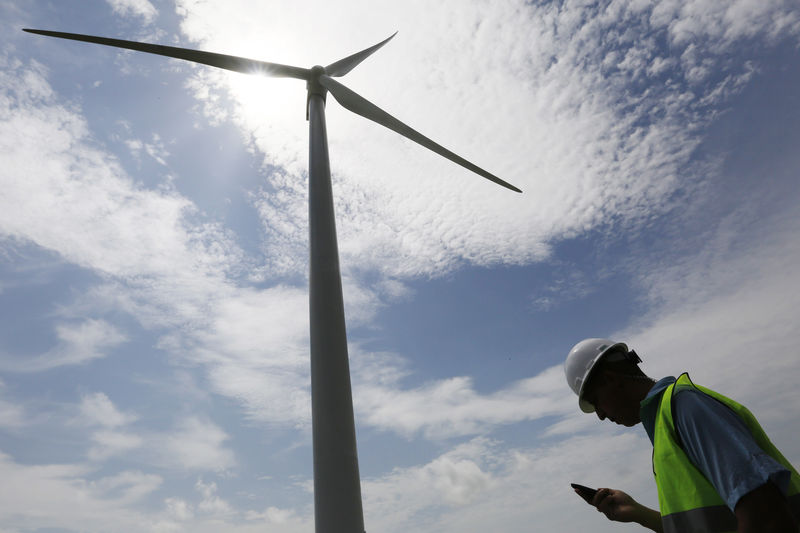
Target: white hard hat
580, 361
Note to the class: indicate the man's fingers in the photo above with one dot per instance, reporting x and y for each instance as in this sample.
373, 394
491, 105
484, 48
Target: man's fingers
601, 495
606, 503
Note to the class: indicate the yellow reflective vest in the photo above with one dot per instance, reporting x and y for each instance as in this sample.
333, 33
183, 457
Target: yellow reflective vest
688, 501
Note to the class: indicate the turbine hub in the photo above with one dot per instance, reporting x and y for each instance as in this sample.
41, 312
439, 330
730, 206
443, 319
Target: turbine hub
313, 84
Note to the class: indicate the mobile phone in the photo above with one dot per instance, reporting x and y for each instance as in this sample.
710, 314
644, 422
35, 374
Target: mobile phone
584, 492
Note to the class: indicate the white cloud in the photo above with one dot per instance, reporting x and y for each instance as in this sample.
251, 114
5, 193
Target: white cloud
179, 509
65, 195
127, 487
155, 149
158, 265
110, 443
70, 497
62, 496
452, 407
718, 24
280, 520
98, 409
12, 416
569, 283
255, 349
551, 113
211, 504
112, 438
77, 344
197, 445
478, 485
139, 8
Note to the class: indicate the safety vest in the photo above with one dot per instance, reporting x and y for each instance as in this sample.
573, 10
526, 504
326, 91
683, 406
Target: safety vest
688, 501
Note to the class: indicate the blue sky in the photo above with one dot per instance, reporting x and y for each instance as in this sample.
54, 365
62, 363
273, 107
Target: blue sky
154, 341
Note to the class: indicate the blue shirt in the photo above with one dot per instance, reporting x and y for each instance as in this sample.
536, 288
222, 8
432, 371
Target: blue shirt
716, 441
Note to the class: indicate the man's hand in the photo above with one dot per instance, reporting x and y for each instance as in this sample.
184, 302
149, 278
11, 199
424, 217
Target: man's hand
620, 507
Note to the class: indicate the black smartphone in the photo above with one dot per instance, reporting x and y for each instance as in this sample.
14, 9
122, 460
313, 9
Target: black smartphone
584, 492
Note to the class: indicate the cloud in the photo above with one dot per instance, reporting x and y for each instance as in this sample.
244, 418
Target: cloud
139, 8
77, 344
97, 409
179, 509
721, 24
112, 438
482, 483
255, 349
570, 284
73, 497
128, 486
455, 478
12, 416
157, 261
197, 444
110, 443
63, 496
193, 443
211, 503
58, 187
452, 407
591, 122
156, 149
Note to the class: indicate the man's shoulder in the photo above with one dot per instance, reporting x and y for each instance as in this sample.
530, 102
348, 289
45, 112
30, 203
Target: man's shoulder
695, 405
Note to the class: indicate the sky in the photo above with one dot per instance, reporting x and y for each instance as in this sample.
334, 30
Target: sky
154, 369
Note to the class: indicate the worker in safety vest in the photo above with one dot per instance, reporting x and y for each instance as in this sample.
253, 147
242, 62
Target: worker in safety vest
715, 468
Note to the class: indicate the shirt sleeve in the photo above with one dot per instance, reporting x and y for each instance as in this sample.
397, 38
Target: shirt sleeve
719, 444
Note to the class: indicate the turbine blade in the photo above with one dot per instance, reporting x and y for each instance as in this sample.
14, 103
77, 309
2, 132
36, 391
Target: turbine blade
234, 63
343, 66
361, 106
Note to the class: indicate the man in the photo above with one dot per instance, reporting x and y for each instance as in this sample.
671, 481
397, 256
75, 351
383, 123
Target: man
715, 468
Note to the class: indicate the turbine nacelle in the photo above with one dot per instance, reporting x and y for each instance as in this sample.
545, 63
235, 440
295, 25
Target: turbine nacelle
314, 86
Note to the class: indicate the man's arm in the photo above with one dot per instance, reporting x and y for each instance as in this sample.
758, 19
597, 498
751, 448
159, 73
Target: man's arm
765, 510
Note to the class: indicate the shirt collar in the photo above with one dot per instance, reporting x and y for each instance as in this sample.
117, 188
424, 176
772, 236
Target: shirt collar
648, 408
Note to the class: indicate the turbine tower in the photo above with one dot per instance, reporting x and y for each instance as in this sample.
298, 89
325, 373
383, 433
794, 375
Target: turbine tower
337, 486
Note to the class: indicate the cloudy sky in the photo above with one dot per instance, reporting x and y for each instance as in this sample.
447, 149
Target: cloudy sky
153, 253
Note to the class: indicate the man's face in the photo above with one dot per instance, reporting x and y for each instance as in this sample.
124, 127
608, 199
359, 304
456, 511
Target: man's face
612, 398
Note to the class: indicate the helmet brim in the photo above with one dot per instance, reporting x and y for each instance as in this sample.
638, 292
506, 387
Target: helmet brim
585, 406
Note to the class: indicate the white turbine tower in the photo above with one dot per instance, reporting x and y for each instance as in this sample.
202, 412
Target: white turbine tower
337, 488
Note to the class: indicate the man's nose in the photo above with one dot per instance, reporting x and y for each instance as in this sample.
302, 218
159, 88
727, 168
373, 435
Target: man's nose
600, 413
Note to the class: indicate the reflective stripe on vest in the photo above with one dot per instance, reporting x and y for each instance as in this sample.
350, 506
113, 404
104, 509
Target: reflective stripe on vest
717, 518
688, 501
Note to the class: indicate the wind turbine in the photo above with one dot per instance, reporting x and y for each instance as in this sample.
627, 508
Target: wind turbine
337, 487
